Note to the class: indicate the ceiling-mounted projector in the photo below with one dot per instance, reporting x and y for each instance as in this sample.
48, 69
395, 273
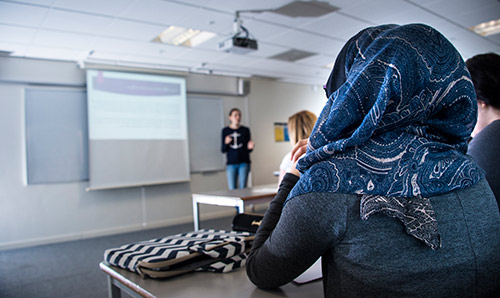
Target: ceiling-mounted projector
240, 42
238, 45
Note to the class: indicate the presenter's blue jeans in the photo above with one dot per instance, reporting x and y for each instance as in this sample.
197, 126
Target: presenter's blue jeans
237, 172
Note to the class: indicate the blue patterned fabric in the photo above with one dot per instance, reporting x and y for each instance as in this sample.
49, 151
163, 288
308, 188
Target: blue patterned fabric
401, 108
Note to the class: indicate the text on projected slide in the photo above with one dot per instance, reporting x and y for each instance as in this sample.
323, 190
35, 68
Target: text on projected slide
136, 106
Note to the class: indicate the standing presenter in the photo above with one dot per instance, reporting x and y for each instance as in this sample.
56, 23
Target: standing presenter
237, 143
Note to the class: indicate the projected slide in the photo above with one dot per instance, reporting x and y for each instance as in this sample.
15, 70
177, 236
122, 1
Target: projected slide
137, 129
127, 106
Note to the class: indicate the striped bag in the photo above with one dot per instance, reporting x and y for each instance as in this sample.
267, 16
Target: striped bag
203, 250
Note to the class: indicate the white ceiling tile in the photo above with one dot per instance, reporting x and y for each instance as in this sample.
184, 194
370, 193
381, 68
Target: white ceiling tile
317, 60
450, 30
336, 25
494, 39
413, 15
266, 50
308, 42
162, 50
116, 45
16, 34
203, 19
234, 5
22, 14
61, 39
464, 12
132, 30
235, 60
424, 3
36, 2
470, 44
211, 44
271, 17
108, 7
377, 12
76, 22
196, 2
264, 31
53, 53
17, 49
157, 11
324, 73
467, 42
345, 4
282, 67
201, 55
479, 15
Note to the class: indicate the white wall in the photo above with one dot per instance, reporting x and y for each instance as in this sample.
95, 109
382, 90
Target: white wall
270, 102
37, 214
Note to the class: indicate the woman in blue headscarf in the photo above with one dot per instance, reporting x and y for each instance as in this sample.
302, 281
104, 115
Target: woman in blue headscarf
387, 195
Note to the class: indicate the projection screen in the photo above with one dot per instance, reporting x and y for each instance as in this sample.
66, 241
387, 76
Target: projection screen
137, 129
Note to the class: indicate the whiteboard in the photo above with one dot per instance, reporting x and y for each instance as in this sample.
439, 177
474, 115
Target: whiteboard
205, 123
56, 135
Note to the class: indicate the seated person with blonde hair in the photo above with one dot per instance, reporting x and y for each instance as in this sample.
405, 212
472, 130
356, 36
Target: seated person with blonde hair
300, 126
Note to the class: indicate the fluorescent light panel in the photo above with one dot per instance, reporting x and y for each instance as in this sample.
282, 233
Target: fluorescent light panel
185, 37
487, 28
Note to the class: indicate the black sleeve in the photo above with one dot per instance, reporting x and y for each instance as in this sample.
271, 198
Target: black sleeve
273, 213
224, 145
292, 237
484, 148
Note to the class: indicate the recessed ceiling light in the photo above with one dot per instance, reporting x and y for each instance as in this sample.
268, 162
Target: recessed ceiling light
181, 36
487, 28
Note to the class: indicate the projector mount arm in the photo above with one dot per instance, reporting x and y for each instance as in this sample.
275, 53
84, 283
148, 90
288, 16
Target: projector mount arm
238, 28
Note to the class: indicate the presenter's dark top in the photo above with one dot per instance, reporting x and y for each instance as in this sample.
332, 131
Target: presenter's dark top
237, 150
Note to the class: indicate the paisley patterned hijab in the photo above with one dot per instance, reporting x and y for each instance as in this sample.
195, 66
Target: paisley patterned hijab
401, 108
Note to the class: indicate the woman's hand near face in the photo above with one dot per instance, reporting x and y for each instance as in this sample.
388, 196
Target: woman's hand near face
299, 149
297, 152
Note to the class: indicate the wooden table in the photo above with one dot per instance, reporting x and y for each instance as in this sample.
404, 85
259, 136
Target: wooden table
238, 198
200, 284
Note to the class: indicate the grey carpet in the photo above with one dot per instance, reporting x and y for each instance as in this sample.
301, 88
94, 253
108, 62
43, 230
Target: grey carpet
71, 269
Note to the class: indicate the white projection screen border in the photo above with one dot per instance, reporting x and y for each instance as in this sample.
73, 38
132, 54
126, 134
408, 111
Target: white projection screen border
137, 129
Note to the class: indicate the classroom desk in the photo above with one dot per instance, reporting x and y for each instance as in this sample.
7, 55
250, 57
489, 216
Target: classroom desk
200, 284
233, 198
